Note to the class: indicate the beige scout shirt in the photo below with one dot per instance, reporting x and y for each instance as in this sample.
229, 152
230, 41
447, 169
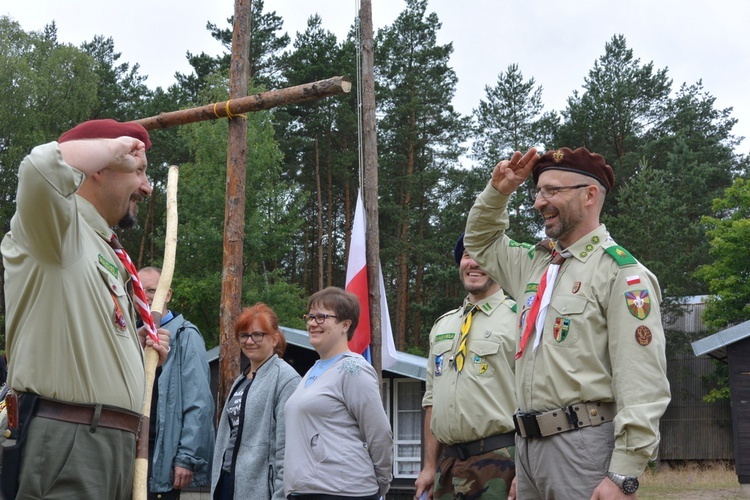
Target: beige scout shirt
603, 339
70, 321
480, 401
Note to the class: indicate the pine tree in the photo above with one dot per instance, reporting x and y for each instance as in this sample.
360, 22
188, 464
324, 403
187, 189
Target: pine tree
419, 139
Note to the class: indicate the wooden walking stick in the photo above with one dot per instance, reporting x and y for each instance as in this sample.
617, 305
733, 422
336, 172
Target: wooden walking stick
140, 475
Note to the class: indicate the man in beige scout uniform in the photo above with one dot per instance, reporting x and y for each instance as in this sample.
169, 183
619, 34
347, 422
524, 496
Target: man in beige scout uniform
470, 397
75, 358
591, 371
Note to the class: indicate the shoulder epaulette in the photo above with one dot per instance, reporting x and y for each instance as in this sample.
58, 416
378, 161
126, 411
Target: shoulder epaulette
621, 256
546, 244
452, 311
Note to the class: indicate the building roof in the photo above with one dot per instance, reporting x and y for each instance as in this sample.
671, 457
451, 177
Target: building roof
407, 365
716, 345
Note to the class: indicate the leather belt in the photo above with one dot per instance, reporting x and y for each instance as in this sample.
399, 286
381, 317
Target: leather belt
463, 451
88, 414
573, 417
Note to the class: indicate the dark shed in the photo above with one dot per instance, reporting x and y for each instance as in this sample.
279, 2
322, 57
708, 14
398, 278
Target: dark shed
732, 346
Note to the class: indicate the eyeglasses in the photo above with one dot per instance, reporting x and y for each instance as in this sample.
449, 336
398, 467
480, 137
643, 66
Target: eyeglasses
550, 191
256, 336
319, 318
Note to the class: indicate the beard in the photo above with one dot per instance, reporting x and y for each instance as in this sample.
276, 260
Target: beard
130, 220
127, 222
567, 223
477, 289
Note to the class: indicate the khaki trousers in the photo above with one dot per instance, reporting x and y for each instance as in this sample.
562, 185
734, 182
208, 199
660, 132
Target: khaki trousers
565, 466
62, 460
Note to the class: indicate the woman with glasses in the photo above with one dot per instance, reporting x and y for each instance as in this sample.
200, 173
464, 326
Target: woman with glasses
339, 440
249, 453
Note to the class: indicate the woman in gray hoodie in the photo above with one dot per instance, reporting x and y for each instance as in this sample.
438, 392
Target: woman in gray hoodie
340, 440
249, 454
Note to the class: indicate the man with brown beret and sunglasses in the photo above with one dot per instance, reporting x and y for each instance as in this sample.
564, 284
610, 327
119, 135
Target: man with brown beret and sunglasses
591, 377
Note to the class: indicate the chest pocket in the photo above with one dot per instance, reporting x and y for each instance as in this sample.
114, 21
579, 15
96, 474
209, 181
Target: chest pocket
442, 347
480, 351
440, 356
119, 304
565, 319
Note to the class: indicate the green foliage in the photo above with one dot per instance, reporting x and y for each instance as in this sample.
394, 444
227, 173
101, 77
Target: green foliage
271, 216
717, 383
512, 119
623, 99
728, 276
673, 155
420, 136
44, 88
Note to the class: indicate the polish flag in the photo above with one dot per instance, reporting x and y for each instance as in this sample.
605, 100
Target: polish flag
633, 280
357, 283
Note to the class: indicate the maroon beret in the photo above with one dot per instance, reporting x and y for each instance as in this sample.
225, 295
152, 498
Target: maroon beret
106, 129
580, 161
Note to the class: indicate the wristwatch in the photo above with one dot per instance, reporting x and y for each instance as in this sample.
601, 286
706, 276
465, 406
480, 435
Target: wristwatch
628, 484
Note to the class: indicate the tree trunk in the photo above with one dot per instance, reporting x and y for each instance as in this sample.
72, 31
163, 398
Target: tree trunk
370, 183
419, 264
318, 185
330, 213
234, 215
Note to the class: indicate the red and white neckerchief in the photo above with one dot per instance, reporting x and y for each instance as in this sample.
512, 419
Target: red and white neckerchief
141, 302
538, 311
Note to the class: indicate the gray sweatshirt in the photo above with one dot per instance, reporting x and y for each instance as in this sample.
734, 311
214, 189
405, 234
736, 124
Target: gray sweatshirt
339, 440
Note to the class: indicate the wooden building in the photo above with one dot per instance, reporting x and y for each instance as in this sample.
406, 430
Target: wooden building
732, 346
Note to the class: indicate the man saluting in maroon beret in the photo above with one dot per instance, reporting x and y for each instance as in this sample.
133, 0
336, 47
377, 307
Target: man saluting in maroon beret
76, 361
591, 379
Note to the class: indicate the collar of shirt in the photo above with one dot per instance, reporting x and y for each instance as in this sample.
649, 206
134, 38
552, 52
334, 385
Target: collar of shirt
584, 247
489, 304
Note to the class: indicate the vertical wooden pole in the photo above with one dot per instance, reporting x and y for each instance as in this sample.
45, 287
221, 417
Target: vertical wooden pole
234, 213
370, 184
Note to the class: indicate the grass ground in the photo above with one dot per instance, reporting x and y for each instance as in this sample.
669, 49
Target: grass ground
691, 481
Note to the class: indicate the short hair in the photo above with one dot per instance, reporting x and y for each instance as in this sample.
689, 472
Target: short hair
345, 305
268, 320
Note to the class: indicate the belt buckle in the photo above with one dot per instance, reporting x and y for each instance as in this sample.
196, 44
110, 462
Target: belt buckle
572, 417
528, 422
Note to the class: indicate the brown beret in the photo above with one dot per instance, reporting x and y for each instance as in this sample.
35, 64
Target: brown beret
580, 161
106, 129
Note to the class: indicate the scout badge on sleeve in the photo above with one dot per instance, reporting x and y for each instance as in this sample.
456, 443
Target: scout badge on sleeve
643, 335
639, 303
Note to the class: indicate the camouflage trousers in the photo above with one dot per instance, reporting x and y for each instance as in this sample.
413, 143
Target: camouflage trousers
486, 476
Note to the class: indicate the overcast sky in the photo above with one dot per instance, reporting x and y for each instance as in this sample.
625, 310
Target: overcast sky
555, 42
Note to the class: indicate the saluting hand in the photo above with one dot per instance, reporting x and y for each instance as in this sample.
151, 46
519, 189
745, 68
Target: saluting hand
509, 174
130, 154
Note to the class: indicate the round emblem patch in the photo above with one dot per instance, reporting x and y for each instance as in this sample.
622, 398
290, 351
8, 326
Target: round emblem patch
643, 335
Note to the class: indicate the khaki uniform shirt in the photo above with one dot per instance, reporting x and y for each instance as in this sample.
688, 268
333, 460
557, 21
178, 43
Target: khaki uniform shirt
478, 402
602, 340
70, 322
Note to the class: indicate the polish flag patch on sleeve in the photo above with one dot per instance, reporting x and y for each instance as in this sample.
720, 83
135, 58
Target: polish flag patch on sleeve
633, 280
